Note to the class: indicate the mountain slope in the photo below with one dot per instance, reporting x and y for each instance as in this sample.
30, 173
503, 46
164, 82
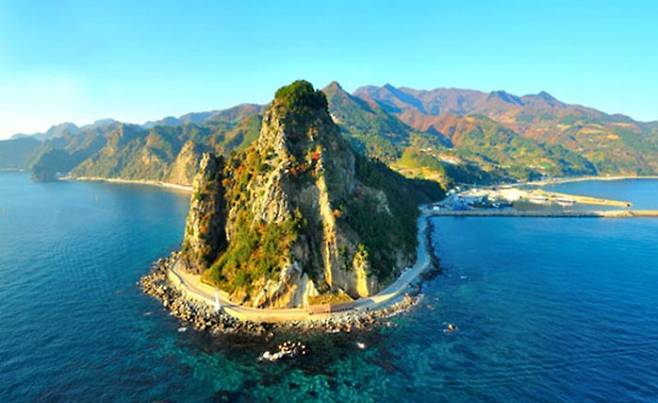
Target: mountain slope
612, 144
447, 135
61, 154
370, 129
171, 153
16, 153
233, 114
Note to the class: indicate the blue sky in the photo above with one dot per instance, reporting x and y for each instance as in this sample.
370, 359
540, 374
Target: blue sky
138, 60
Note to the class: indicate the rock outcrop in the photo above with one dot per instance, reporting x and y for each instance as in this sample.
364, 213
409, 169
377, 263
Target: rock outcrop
205, 235
305, 214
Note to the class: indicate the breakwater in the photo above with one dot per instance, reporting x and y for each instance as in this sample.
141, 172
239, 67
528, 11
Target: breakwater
547, 213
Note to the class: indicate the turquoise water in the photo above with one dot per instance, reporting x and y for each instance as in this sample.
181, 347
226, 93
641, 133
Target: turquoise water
547, 310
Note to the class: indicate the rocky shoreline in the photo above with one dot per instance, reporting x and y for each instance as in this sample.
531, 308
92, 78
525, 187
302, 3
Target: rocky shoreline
195, 314
435, 265
203, 318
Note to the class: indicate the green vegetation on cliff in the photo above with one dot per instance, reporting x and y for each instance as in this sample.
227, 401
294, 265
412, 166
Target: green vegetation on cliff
255, 252
306, 212
393, 223
299, 101
256, 249
205, 234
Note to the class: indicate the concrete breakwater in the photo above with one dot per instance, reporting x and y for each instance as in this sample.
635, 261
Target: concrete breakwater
547, 213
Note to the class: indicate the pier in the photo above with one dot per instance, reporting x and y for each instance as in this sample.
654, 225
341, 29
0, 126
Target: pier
555, 197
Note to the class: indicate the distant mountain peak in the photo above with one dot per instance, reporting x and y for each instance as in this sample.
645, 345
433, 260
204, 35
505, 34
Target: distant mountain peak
505, 97
334, 85
63, 124
546, 95
104, 122
62, 129
546, 98
334, 88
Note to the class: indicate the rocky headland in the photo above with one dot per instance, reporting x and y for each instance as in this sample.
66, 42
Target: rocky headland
299, 219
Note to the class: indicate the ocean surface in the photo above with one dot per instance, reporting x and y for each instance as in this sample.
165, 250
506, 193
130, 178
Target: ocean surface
548, 309
642, 193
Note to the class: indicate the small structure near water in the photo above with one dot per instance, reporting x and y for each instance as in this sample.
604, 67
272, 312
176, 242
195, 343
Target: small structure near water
287, 349
507, 197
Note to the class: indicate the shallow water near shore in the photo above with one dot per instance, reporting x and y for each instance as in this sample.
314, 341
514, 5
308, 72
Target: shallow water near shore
548, 309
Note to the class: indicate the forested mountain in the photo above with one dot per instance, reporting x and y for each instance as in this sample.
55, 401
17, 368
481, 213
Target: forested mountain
15, 153
167, 150
448, 135
611, 144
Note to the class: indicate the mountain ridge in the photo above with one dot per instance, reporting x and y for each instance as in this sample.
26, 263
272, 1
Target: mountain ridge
443, 133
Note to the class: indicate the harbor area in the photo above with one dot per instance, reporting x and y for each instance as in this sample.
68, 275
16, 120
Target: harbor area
519, 201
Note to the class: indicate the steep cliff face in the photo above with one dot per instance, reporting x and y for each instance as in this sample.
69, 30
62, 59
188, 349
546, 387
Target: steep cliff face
205, 234
185, 165
305, 214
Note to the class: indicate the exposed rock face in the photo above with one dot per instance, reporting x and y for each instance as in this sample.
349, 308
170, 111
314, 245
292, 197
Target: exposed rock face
310, 171
299, 214
290, 220
205, 235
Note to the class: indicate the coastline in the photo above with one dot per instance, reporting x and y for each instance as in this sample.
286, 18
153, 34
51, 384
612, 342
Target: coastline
194, 302
182, 188
530, 199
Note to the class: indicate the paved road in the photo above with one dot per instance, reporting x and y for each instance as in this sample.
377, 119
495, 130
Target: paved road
192, 286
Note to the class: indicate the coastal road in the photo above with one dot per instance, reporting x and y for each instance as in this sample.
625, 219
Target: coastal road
192, 287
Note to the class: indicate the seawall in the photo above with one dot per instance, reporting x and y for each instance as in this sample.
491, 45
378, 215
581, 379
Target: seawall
547, 214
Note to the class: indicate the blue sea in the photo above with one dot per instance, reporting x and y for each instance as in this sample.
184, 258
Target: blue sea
642, 193
547, 309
